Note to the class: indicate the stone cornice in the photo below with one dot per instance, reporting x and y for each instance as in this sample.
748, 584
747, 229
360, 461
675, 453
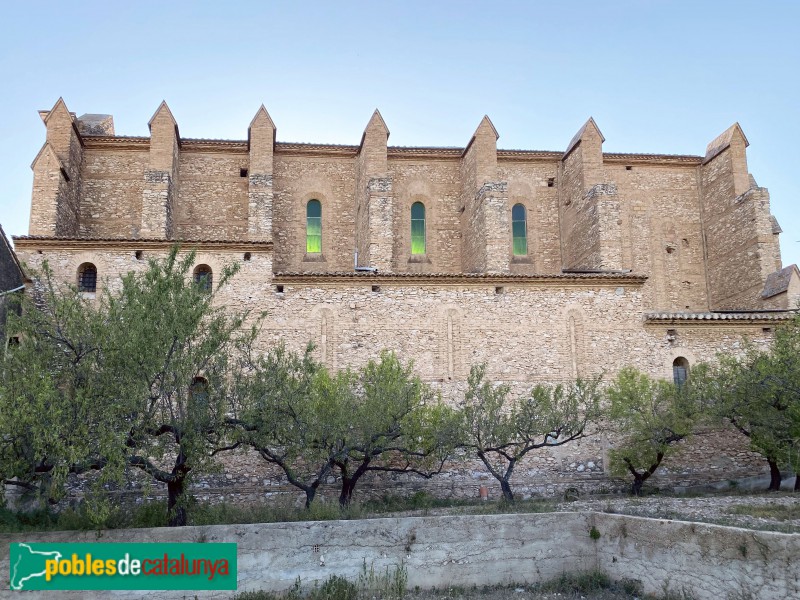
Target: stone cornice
558, 279
653, 159
394, 152
25, 242
297, 149
416, 152
96, 142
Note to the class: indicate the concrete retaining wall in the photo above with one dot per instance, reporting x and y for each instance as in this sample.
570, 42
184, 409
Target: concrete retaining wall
707, 560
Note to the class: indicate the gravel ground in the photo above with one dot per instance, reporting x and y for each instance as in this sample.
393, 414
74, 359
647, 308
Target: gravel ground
708, 509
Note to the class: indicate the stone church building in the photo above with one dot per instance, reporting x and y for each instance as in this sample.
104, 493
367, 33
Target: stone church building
544, 265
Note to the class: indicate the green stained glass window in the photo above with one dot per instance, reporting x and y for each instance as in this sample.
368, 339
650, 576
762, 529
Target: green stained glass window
418, 228
313, 227
519, 230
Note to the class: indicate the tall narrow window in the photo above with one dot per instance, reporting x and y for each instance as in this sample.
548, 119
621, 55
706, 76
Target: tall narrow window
519, 228
313, 227
203, 277
198, 391
680, 370
87, 278
418, 228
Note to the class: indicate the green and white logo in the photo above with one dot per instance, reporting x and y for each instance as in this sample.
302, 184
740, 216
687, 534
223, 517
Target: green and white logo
95, 566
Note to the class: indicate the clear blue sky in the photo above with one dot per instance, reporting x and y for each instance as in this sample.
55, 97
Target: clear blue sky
663, 77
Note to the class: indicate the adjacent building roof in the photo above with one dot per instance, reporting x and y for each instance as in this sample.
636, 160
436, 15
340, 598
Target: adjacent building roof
675, 317
778, 282
12, 276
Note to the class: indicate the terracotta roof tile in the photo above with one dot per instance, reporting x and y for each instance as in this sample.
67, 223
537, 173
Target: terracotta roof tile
719, 316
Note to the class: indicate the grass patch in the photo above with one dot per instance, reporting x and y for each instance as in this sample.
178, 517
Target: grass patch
389, 585
153, 514
779, 512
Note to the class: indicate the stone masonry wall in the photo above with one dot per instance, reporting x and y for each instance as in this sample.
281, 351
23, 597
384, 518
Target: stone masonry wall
437, 185
528, 185
111, 201
662, 232
579, 220
525, 333
212, 202
296, 180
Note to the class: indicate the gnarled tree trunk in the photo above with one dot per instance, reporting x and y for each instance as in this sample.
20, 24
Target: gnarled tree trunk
774, 476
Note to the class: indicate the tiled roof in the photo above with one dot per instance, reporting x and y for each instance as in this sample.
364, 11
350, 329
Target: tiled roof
719, 316
89, 242
778, 282
488, 277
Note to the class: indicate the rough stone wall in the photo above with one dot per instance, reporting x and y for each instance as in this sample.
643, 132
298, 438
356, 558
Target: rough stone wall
261, 138
528, 185
581, 170
525, 333
485, 221
55, 205
606, 204
374, 199
446, 327
161, 177
741, 247
662, 232
579, 227
111, 198
212, 202
298, 179
436, 184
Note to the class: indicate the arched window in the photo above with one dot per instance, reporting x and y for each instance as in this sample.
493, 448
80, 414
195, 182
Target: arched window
680, 370
87, 278
199, 389
519, 229
418, 228
203, 277
313, 227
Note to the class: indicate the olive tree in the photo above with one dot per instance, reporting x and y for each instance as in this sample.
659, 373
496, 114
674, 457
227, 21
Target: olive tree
53, 391
294, 415
501, 430
759, 394
395, 423
651, 416
145, 376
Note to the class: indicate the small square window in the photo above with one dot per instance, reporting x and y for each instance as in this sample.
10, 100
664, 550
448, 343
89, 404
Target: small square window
499, 289
138, 255
242, 172
279, 289
551, 182
247, 256
628, 168
376, 288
